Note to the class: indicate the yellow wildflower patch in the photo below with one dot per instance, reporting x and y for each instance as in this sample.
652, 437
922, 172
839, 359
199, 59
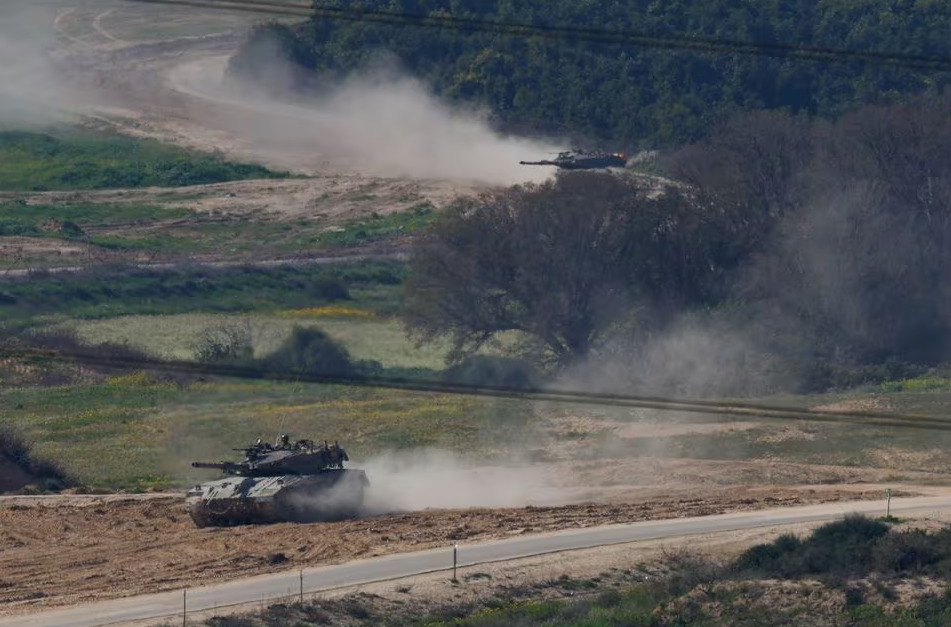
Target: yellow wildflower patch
328, 311
135, 379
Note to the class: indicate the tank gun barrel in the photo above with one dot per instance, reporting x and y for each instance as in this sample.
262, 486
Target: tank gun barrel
537, 163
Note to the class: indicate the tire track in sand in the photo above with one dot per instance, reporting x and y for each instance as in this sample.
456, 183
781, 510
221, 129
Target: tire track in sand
97, 25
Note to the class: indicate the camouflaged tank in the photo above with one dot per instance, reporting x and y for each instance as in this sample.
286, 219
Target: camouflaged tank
286, 482
584, 160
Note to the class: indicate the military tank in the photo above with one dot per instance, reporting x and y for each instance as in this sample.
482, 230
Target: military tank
300, 481
583, 160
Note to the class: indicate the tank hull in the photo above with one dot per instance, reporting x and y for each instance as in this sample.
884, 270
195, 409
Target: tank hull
329, 495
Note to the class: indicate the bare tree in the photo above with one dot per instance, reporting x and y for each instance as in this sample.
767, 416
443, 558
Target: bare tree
562, 262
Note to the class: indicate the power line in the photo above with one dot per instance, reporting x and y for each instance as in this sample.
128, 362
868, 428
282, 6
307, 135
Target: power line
714, 45
555, 395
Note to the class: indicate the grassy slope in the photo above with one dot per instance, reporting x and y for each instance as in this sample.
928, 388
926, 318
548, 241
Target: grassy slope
132, 431
366, 337
172, 232
135, 431
70, 159
108, 293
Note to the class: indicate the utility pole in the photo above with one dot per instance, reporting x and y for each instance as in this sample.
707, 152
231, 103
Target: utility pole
302, 587
184, 607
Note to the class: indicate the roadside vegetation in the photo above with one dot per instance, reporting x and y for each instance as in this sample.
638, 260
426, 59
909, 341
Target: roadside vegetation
857, 572
72, 159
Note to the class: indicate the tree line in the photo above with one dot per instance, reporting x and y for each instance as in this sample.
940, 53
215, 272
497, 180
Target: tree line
622, 97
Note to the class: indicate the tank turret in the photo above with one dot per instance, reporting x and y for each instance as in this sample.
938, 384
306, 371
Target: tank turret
582, 160
288, 481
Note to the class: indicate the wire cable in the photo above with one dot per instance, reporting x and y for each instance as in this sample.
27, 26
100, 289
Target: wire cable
556, 395
713, 45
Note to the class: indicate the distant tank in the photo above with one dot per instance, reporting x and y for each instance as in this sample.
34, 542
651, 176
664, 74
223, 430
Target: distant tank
286, 482
582, 160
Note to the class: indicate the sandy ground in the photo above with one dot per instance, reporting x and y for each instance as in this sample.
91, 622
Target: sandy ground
70, 550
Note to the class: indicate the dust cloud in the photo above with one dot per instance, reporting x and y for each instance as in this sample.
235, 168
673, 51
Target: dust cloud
31, 91
425, 479
693, 357
381, 123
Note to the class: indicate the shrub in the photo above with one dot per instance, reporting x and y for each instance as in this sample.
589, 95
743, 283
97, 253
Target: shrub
910, 551
226, 344
837, 548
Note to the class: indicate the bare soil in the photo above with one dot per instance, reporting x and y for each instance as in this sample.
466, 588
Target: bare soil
69, 550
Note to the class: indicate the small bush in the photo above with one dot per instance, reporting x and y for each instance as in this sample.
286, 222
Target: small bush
854, 596
328, 289
840, 548
226, 344
609, 598
910, 551
276, 558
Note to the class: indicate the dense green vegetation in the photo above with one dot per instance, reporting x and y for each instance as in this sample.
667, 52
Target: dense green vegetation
625, 96
70, 159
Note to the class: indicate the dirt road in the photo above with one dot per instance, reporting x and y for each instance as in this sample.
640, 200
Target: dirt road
151, 82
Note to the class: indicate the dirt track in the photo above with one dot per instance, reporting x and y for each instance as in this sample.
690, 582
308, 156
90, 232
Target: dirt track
66, 551
119, 59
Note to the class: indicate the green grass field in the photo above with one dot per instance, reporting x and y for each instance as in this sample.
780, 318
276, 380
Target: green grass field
72, 159
111, 292
175, 337
134, 432
29, 218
